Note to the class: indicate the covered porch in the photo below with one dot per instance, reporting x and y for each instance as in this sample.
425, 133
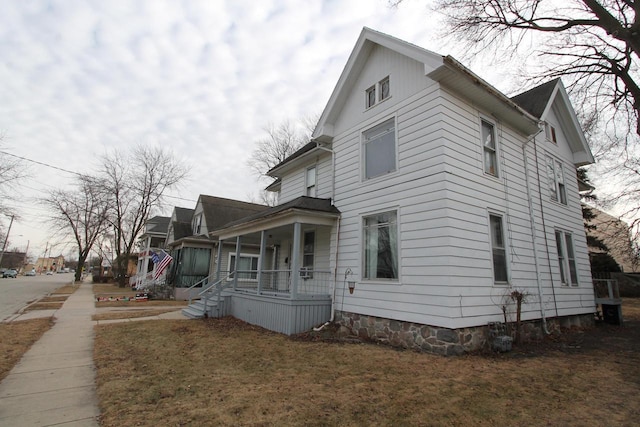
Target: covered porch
279, 272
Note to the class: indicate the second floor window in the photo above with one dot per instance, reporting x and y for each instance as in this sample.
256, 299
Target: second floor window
311, 182
197, 222
380, 149
555, 177
489, 148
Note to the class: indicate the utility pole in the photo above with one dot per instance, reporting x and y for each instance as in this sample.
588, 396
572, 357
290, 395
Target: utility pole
6, 240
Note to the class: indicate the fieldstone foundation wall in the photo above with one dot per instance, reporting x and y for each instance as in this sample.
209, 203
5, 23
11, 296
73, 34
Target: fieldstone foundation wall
444, 341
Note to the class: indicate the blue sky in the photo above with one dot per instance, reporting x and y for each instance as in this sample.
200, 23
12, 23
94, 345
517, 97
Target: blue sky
78, 78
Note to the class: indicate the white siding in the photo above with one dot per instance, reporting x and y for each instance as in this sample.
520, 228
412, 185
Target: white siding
294, 183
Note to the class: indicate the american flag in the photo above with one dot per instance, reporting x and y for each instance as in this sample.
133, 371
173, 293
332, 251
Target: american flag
161, 260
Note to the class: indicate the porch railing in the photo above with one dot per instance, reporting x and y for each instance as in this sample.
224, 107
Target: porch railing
279, 282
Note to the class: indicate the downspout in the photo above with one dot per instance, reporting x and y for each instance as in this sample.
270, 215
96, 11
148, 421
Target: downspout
333, 169
534, 230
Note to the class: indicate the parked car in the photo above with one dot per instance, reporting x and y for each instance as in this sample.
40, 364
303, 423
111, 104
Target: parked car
49, 273
10, 273
31, 272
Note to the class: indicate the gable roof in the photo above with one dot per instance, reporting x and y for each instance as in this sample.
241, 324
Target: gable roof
219, 211
443, 69
158, 224
183, 214
552, 94
535, 100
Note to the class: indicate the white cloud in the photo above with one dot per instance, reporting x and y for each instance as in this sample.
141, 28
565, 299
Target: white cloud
203, 77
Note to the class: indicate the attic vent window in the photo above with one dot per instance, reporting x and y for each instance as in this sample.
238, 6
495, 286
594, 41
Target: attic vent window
382, 88
551, 133
371, 96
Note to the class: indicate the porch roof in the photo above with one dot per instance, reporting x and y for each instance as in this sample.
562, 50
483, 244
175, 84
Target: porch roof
303, 209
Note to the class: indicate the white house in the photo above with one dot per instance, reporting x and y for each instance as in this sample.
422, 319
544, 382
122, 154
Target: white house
432, 196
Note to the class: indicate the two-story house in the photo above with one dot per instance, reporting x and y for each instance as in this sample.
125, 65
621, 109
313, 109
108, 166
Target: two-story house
425, 198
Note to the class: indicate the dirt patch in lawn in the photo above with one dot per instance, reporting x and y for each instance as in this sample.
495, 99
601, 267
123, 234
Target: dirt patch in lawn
148, 303
131, 314
226, 372
16, 338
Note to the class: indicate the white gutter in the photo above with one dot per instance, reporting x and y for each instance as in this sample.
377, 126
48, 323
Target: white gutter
534, 231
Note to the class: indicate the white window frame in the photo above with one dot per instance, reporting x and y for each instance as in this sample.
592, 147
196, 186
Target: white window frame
375, 133
311, 188
368, 100
486, 149
495, 246
550, 133
197, 224
375, 94
556, 180
394, 230
230, 266
566, 258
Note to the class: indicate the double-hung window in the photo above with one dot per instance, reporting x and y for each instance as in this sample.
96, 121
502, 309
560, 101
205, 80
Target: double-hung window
555, 177
311, 182
566, 258
247, 266
490, 148
380, 233
308, 254
380, 149
197, 222
498, 249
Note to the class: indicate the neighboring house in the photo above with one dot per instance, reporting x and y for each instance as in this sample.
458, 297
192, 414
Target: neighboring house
424, 199
193, 250
151, 240
616, 234
13, 259
53, 264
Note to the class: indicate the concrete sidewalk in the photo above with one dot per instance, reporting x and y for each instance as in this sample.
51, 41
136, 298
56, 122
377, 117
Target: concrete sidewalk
54, 382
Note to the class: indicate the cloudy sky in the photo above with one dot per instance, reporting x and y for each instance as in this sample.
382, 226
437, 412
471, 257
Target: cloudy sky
202, 77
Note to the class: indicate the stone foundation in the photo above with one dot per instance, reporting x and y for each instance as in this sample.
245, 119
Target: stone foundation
444, 341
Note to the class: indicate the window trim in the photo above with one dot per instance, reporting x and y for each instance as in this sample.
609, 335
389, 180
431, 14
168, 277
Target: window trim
313, 187
368, 102
566, 256
363, 246
496, 150
505, 247
363, 148
197, 224
550, 133
381, 83
559, 193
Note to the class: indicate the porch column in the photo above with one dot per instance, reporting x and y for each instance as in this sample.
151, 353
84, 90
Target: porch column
295, 259
263, 248
235, 266
219, 260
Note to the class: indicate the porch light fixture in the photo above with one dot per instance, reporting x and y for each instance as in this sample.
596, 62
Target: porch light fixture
352, 286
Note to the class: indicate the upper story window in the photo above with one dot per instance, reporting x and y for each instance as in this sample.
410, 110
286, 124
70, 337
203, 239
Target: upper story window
378, 92
380, 149
550, 133
555, 177
498, 249
489, 147
197, 222
380, 246
311, 182
371, 97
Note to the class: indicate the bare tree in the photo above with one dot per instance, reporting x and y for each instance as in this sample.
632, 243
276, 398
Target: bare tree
81, 213
12, 172
137, 182
594, 45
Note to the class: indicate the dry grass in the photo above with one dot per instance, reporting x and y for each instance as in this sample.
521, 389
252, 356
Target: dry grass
224, 372
44, 306
131, 314
107, 289
54, 298
66, 290
16, 338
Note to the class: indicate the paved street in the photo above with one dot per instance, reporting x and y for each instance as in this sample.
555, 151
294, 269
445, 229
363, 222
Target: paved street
16, 293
